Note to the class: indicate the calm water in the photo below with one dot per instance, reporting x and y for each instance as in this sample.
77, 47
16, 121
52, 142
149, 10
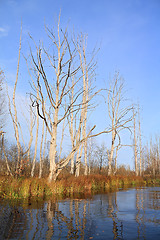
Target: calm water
129, 214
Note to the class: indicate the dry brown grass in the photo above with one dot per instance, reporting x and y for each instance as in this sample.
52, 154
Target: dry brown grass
67, 185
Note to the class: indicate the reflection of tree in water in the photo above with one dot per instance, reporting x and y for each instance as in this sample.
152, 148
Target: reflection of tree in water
140, 215
147, 204
13, 223
70, 222
153, 204
100, 218
52, 208
112, 213
154, 200
21, 223
54, 221
73, 219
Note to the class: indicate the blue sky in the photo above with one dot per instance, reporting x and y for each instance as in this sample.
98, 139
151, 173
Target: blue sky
127, 32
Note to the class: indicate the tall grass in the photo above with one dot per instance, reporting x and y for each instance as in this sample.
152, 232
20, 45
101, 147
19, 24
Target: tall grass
67, 186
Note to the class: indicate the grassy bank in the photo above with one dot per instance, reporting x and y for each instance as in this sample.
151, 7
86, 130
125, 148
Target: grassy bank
68, 186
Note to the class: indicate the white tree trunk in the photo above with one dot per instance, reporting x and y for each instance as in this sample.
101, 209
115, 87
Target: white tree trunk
140, 145
78, 162
135, 146
53, 149
35, 148
40, 155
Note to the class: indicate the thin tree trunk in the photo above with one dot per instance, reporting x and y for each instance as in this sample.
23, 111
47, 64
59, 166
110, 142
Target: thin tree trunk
71, 127
78, 162
32, 122
14, 115
140, 146
40, 156
36, 140
82, 56
15, 120
44, 147
110, 154
7, 164
152, 158
135, 146
85, 146
115, 164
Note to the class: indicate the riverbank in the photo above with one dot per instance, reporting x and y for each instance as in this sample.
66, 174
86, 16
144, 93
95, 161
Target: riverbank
39, 188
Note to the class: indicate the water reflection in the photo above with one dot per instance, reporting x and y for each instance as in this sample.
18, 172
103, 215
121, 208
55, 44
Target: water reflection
131, 214
112, 213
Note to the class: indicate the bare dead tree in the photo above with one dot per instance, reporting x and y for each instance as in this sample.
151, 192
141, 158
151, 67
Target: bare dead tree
58, 90
2, 103
91, 154
16, 124
63, 163
37, 131
151, 158
13, 112
30, 128
42, 149
6, 159
84, 69
2, 113
30, 123
135, 144
140, 144
57, 66
157, 154
120, 116
72, 125
40, 156
87, 67
101, 156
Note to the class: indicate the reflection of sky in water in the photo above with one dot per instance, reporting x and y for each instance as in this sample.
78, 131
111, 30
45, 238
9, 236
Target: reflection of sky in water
126, 204
131, 214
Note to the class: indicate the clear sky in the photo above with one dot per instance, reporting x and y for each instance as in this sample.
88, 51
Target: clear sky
127, 32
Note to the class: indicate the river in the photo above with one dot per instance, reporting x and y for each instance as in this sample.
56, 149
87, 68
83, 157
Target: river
126, 214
